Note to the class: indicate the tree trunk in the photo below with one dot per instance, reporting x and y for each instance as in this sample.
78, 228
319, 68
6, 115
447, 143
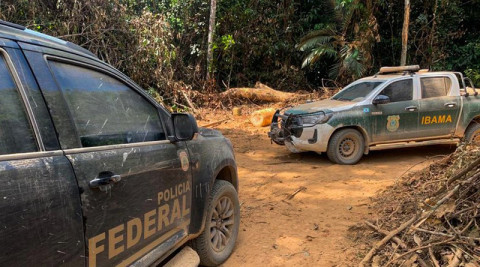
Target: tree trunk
406, 22
261, 93
211, 32
262, 118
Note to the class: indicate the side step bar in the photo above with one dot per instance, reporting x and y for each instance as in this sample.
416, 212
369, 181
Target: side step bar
415, 144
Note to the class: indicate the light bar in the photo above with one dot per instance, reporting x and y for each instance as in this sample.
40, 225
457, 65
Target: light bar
411, 68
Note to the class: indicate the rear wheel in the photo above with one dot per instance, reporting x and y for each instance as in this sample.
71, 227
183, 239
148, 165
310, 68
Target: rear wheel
472, 134
217, 241
346, 147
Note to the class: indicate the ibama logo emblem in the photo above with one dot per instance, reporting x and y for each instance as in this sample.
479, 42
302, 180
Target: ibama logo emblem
393, 122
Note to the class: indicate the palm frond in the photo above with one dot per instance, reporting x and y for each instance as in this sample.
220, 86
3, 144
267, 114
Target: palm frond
307, 44
353, 63
317, 53
335, 69
350, 15
327, 31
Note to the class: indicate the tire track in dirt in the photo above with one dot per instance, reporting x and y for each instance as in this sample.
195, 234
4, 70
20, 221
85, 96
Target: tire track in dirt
311, 229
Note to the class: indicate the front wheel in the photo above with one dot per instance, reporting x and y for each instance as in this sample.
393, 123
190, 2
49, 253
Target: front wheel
217, 240
346, 147
472, 134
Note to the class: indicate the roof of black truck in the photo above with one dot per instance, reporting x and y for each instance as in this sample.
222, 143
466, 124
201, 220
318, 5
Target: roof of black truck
20, 33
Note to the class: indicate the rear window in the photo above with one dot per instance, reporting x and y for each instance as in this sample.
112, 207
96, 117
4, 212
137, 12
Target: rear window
16, 134
435, 86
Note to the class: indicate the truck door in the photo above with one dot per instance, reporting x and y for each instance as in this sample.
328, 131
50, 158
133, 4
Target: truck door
397, 120
439, 110
41, 221
136, 185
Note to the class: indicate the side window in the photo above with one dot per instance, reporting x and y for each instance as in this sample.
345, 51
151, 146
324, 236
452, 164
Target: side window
16, 134
435, 86
106, 111
399, 91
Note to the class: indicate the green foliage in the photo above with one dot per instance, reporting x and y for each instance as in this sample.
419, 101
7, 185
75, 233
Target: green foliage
349, 44
134, 40
265, 34
344, 3
443, 36
322, 44
474, 74
288, 44
227, 41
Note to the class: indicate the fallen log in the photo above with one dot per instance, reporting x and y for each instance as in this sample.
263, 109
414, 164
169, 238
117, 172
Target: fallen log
260, 92
237, 111
263, 117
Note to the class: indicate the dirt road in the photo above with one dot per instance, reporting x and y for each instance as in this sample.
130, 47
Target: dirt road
309, 229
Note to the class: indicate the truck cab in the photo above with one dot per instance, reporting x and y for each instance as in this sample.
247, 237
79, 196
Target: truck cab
95, 172
397, 107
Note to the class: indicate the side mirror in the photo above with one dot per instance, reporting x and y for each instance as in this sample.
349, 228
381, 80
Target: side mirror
381, 99
185, 126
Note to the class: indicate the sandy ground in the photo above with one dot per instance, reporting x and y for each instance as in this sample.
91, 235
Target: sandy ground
310, 229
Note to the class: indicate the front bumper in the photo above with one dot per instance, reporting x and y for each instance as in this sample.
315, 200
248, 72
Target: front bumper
277, 134
284, 130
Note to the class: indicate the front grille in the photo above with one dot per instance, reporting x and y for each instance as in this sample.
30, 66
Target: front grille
292, 126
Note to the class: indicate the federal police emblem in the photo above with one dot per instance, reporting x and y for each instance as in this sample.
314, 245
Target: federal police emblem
184, 161
393, 122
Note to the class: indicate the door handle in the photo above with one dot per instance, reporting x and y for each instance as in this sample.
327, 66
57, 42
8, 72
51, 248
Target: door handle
411, 108
104, 182
450, 105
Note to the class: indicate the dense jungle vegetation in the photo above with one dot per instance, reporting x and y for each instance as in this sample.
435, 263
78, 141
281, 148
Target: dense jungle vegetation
288, 44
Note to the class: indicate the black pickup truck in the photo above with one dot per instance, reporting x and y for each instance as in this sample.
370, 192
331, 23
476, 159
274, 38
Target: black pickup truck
94, 172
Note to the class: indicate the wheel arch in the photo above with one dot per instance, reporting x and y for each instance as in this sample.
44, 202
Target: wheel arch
358, 128
473, 121
228, 173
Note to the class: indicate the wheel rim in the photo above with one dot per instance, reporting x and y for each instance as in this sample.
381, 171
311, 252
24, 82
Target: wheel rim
221, 224
348, 147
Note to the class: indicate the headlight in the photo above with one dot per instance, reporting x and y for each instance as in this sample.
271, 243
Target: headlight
316, 118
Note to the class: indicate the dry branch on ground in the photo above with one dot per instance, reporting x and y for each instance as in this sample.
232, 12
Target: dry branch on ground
434, 216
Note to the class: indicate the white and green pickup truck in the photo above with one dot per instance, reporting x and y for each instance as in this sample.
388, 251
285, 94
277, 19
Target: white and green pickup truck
397, 107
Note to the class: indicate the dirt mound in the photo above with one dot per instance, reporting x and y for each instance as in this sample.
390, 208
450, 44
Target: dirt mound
428, 218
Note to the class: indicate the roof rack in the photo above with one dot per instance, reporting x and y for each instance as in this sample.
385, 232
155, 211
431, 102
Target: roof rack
12, 25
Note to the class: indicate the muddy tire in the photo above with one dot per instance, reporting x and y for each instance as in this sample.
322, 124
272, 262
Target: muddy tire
472, 134
346, 147
216, 242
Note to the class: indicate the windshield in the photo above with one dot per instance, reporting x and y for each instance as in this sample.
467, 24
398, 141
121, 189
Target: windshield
357, 92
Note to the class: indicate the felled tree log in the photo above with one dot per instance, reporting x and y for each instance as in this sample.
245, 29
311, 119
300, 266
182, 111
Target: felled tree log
260, 92
263, 117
